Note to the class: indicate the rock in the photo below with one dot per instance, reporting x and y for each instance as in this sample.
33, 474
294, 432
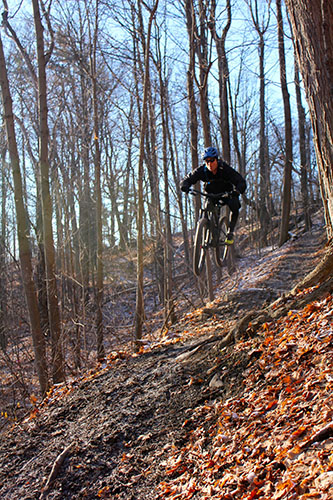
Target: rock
216, 382
325, 481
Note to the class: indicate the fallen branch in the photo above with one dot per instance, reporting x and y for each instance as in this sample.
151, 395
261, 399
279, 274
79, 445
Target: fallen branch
223, 339
55, 470
320, 436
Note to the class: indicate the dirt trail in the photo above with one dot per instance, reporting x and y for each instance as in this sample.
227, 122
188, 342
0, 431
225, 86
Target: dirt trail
122, 423
260, 280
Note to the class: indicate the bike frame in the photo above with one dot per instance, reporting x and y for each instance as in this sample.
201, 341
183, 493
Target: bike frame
212, 212
208, 228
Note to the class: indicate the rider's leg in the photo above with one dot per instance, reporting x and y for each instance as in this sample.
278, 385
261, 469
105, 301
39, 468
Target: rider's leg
233, 220
234, 206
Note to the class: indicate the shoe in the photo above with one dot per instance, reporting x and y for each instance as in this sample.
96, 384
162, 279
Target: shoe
229, 238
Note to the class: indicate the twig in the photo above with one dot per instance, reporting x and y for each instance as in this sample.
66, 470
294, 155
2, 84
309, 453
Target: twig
55, 470
171, 310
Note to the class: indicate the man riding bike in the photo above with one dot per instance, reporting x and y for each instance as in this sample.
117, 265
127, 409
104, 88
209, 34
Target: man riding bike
218, 177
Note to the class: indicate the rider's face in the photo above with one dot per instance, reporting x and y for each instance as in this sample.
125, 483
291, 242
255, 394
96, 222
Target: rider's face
211, 164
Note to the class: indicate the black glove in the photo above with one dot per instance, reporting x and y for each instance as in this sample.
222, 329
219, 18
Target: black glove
235, 193
185, 189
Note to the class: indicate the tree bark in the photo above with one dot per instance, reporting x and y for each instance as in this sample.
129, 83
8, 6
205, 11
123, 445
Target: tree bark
139, 309
302, 150
52, 291
288, 156
264, 182
3, 294
98, 193
191, 95
312, 25
223, 77
168, 248
23, 232
204, 59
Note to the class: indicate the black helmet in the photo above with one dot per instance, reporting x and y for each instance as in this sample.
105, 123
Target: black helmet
210, 153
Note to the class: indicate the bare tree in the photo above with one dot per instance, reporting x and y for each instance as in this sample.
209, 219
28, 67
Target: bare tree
288, 155
23, 231
220, 41
312, 24
139, 310
197, 28
50, 264
302, 149
168, 248
3, 301
314, 44
203, 51
98, 192
261, 26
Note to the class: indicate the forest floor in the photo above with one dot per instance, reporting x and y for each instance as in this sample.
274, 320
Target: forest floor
251, 420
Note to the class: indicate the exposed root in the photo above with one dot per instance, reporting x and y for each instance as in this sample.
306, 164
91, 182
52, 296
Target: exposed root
55, 470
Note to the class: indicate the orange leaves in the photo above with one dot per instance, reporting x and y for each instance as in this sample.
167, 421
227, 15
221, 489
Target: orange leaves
299, 432
276, 438
103, 492
33, 399
310, 308
178, 467
271, 405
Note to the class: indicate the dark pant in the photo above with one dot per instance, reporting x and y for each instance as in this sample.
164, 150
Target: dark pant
234, 206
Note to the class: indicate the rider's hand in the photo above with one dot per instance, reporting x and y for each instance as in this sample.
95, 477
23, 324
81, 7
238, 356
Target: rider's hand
185, 189
235, 193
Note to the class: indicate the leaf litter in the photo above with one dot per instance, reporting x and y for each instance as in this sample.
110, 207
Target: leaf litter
253, 420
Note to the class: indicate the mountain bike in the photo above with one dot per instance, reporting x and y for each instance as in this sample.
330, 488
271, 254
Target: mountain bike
211, 232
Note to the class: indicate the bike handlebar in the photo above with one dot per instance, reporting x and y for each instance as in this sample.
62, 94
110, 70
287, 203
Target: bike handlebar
213, 196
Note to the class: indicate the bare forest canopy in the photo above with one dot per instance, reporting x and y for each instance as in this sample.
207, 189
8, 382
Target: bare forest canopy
106, 105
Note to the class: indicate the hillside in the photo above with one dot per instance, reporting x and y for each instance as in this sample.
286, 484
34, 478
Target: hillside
188, 418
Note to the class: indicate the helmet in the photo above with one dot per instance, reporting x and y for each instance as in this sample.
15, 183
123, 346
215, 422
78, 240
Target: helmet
210, 153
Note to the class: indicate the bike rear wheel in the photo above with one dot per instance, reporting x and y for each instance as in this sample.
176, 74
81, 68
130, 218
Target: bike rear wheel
201, 241
221, 249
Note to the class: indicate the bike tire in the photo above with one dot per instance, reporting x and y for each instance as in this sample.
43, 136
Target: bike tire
201, 241
221, 249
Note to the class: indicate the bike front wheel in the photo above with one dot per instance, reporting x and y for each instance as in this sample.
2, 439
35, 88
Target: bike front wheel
201, 241
221, 249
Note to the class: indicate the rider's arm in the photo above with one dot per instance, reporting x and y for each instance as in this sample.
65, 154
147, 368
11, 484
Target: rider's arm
192, 178
235, 178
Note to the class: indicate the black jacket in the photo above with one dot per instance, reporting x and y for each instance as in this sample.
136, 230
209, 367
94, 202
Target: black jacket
225, 180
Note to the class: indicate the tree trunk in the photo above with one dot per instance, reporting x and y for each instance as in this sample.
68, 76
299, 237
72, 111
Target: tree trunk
23, 232
52, 292
3, 294
223, 78
312, 24
98, 194
139, 309
176, 177
203, 56
263, 165
199, 36
168, 248
288, 157
302, 150
191, 95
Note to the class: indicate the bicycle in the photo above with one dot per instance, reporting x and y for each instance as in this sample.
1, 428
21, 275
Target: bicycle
211, 232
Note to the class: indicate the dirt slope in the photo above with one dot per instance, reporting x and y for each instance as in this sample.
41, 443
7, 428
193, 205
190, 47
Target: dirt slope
116, 428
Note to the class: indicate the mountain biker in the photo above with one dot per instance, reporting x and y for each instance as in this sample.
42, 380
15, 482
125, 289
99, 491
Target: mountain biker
218, 177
